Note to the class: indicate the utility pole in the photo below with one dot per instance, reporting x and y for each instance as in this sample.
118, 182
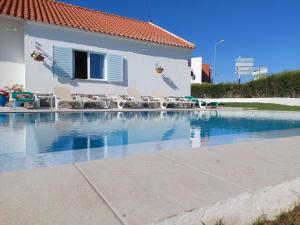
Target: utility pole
215, 58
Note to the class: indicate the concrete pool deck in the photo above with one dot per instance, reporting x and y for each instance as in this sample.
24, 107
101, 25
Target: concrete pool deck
47, 110
170, 187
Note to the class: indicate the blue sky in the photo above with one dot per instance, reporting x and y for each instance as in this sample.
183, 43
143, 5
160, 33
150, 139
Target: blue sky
267, 30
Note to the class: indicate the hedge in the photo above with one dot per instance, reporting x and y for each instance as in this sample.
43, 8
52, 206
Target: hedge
285, 84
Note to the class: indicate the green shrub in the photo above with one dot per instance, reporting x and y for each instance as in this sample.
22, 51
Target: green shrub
285, 84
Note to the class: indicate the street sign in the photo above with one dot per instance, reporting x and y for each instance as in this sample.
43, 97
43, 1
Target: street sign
243, 66
240, 59
245, 72
240, 64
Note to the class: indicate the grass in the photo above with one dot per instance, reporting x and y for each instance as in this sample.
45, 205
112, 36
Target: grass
288, 218
219, 222
262, 106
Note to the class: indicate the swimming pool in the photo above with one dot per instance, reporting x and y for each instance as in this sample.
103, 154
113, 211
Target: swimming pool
31, 140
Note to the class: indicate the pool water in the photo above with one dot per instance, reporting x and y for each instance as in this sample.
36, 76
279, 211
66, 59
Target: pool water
30, 140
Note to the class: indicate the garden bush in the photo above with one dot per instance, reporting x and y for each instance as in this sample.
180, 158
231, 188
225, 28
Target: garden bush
285, 84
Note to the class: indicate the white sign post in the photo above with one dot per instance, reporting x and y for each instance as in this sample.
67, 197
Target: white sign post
243, 66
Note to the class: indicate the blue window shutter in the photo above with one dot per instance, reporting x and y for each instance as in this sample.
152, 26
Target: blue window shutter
115, 68
63, 62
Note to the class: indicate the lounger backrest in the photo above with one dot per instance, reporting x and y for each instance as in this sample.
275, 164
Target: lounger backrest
132, 92
113, 96
156, 94
62, 93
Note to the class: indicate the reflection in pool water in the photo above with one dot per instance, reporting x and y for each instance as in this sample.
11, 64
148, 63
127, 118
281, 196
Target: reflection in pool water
39, 139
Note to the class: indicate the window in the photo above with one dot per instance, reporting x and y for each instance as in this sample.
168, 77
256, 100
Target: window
89, 65
96, 66
80, 59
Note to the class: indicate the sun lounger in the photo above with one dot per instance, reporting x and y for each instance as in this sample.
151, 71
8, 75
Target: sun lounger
162, 102
129, 101
93, 103
141, 101
104, 99
185, 103
64, 99
214, 104
115, 101
179, 102
45, 100
197, 101
156, 102
173, 103
90, 101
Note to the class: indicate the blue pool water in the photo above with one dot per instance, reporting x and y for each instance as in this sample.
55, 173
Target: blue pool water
40, 139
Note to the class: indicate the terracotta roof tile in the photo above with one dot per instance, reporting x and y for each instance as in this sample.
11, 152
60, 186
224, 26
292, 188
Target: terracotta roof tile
57, 13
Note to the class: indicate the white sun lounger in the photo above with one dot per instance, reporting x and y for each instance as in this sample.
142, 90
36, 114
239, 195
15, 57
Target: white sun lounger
63, 99
141, 101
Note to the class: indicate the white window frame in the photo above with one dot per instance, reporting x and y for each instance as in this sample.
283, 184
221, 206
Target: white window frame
89, 66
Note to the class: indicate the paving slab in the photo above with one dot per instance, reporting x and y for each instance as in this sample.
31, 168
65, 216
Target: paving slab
54, 196
283, 151
252, 165
146, 189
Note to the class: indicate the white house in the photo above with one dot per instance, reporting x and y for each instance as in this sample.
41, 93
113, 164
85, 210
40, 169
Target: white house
88, 51
196, 65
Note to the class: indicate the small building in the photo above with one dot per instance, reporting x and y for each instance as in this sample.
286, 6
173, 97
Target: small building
45, 43
206, 73
199, 72
196, 73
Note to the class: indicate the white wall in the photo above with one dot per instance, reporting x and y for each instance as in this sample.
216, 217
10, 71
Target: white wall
140, 59
282, 101
12, 69
197, 69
